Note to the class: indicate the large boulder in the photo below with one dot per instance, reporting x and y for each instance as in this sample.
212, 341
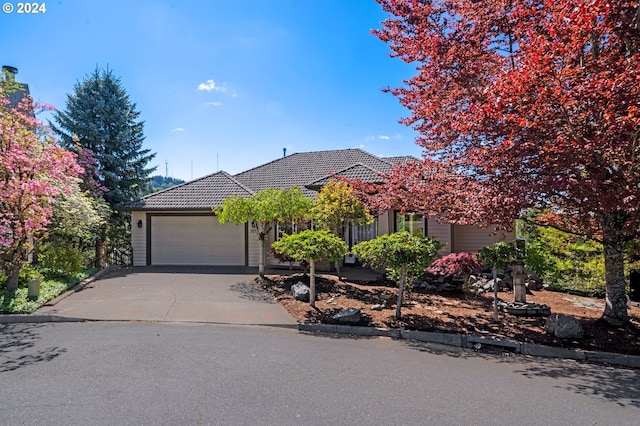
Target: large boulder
348, 316
564, 327
300, 291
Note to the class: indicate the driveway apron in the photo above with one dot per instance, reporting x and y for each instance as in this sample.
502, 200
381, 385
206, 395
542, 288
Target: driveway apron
193, 294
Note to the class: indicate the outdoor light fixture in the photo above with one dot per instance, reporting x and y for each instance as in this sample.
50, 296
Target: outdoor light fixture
140, 223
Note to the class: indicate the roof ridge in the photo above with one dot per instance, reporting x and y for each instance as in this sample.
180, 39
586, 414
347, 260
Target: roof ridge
180, 185
311, 152
219, 172
330, 175
237, 182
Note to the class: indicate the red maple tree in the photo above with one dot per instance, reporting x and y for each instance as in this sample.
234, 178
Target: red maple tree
523, 104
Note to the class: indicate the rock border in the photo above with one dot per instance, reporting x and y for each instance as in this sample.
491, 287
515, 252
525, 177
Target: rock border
468, 342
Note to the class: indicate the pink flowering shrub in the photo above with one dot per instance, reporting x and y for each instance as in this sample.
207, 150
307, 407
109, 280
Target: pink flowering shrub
455, 264
33, 171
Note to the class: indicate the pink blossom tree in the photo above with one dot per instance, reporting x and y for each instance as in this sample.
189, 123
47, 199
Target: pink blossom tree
33, 171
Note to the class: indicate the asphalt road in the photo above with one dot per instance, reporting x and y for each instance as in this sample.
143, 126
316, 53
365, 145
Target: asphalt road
194, 374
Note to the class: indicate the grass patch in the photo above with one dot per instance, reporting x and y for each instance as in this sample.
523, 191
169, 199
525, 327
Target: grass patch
17, 302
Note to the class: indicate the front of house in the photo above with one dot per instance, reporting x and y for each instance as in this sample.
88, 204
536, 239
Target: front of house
177, 226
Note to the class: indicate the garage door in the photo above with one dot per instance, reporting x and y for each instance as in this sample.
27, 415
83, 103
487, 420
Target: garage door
195, 240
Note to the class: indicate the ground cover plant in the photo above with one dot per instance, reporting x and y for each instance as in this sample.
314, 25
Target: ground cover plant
18, 302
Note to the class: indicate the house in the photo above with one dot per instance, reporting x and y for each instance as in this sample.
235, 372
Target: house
177, 227
21, 89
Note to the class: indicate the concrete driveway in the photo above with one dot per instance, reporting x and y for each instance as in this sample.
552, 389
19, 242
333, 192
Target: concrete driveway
174, 294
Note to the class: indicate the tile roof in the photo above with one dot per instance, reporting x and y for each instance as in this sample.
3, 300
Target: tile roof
199, 194
298, 169
357, 171
400, 159
302, 168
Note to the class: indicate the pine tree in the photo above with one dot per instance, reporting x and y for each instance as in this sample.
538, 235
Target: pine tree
100, 117
100, 122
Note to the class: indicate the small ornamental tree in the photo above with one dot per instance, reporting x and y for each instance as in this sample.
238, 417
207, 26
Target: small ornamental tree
337, 207
499, 255
311, 246
263, 210
33, 171
401, 253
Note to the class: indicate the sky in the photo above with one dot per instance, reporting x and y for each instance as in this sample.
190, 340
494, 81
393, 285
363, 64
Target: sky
223, 85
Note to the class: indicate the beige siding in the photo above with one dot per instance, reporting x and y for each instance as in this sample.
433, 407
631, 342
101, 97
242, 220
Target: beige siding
385, 223
254, 247
472, 238
139, 238
441, 232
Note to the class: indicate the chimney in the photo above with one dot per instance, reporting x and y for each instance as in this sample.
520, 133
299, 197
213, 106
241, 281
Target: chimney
12, 71
284, 152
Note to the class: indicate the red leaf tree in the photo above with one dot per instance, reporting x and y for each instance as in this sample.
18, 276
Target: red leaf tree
33, 171
523, 104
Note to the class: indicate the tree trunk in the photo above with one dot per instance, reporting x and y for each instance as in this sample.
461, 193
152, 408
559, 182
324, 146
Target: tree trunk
12, 279
613, 239
494, 271
312, 283
13, 272
263, 253
403, 279
99, 261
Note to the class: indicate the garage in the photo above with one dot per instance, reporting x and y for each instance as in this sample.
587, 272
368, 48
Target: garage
195, 240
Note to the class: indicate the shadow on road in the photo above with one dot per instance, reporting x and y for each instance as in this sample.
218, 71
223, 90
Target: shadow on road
17, 343
614, 384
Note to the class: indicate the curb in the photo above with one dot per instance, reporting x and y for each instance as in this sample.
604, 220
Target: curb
468, 342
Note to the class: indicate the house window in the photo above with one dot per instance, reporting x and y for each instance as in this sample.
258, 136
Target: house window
291, 228
361, 233
412, 222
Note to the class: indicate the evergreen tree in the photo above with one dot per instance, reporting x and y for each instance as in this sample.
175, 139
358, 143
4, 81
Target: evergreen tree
101, 124
99, 117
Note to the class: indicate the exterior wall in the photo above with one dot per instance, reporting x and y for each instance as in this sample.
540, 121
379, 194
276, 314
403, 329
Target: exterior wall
385, 223
473, 238
139, 238
442, 233
254, 247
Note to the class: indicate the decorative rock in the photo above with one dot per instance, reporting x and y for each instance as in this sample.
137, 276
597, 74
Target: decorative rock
564, 327
350, 315
377, 307
300, 291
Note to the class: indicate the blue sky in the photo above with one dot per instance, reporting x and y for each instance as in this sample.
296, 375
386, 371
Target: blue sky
224, 85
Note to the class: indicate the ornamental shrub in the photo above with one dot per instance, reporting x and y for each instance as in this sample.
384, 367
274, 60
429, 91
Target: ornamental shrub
61, 261
455, 265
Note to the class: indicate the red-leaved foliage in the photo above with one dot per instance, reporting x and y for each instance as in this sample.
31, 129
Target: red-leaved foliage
455, 265
522, 104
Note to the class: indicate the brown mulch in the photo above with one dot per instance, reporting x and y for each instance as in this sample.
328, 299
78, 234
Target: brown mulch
457, 312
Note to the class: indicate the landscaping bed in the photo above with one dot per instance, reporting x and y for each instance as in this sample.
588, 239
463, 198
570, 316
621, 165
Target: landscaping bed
456, 312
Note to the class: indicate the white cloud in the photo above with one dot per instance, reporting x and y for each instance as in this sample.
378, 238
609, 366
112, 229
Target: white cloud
211, 85
384, 137
215, 103
178, 129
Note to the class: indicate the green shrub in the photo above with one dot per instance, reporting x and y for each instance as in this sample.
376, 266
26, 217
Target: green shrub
27, 273
566, 261
62, 262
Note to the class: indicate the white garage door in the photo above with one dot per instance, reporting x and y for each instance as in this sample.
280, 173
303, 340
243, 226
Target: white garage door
195, 240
